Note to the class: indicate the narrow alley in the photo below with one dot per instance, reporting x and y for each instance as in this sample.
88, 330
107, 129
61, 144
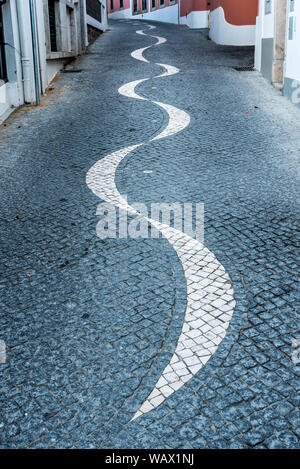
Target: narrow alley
96, 329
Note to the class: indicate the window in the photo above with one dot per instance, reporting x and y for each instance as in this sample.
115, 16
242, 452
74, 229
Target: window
52, 25
93, 9
144, 5
111, 4
2, 50
153, 5
268, 7
121, 4
292, 5
162, 3
135, 6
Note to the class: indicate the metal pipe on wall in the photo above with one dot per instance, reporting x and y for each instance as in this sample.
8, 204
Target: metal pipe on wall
35, 52
26, 49
29, 50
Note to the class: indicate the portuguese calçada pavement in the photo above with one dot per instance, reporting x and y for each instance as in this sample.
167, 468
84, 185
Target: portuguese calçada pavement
163, 342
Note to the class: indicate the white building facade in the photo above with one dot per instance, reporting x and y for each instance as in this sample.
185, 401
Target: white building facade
37, 38
277, 47
292, 63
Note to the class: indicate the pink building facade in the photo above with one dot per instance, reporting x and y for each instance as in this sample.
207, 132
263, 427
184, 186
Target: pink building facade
230, 22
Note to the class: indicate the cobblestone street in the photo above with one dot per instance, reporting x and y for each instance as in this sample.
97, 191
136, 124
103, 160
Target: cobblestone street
105, 339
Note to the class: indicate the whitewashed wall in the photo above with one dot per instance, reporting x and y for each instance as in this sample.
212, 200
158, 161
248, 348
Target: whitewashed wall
293, 45
196, 19
292, 65
264, 30
223, 32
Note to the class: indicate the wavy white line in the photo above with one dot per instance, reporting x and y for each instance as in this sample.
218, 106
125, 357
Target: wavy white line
170, 70
205, 323
129, 89
101, 178
138, 54
178, 121
210, 301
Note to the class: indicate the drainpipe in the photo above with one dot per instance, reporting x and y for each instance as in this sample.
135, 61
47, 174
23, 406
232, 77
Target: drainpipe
84, 28
35, 52
178, 11
26, 49
28, 40
19, 69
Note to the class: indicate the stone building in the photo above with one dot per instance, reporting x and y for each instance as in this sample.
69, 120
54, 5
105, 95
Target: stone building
277, 51
37, 39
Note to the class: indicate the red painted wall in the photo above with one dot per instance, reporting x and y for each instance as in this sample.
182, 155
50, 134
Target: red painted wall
237, 12
117, 5
127, 5
157, 4
167, 3
187, 6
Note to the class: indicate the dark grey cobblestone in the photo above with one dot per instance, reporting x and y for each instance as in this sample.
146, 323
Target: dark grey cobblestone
90, 325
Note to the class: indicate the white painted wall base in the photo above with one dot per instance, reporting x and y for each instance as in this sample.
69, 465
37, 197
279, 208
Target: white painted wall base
3, 100
4, 103
196, 19
9, 99
52, 68
228, 34
95, 24
165, 15
5, 112
116, 15
9, 94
